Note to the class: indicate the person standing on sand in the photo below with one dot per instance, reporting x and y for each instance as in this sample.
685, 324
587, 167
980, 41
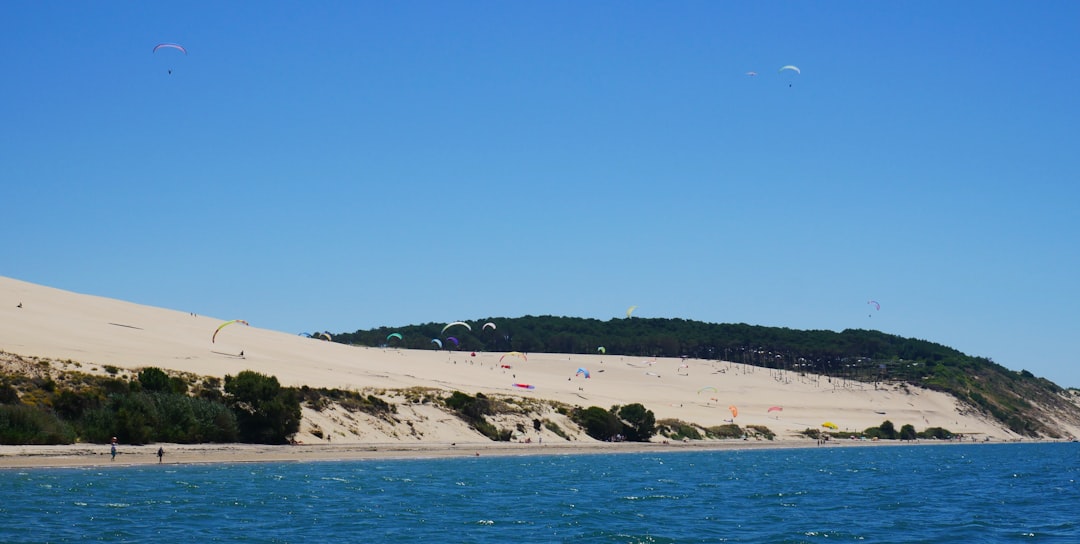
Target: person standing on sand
112, 448
160, 454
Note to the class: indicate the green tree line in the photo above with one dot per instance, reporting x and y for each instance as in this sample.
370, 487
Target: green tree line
153, 407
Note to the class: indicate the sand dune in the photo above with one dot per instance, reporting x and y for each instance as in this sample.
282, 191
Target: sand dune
96, 331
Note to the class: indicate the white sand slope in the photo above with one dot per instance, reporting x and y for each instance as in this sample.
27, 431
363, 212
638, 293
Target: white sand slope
97, 331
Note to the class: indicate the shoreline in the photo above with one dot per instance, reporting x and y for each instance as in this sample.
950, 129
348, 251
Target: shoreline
97, 455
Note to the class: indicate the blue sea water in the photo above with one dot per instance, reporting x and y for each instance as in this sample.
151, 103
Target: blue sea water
981, 493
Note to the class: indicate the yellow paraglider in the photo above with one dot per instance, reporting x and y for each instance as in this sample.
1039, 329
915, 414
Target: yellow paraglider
223, 325
514, 354
630, 310
830, 425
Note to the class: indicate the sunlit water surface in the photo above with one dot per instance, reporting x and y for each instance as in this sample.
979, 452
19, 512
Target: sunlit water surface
983, 493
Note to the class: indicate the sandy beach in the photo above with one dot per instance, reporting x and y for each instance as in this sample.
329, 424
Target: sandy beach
88, 333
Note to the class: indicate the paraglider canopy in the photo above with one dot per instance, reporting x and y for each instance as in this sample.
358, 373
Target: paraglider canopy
394, 335
223, 325
176, 46
514, 354
437, 342
462, 323
630, 310
792, 68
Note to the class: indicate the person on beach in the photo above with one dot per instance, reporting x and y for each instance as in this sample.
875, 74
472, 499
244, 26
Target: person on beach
112, 450
160, 454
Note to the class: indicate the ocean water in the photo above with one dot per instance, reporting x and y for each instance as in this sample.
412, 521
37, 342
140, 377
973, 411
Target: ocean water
941, 493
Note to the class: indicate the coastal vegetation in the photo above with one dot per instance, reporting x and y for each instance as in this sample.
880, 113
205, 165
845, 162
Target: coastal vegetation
1016, 399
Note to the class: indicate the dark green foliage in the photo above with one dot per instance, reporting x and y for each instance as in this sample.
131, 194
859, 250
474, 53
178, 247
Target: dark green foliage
598, 423
907, 432
154, 379
638, 424
8, 394
32, 425
472, 410
936, 433
266, 412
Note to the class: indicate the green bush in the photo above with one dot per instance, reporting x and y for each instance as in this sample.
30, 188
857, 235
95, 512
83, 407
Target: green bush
638, 424
265, 412
729, 430
598, 423
32, 425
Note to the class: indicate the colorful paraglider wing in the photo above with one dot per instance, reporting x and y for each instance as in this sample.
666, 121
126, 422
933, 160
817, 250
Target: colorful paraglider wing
488, 324
462, 323
601, 349
874, 303
582, 371
630, 310
454, 340
830, 425
325, 336
790, 67
514, 354
706, 389
734, 411
524, 386
437, 342
223, 325
170, 46
394, 335
776, 409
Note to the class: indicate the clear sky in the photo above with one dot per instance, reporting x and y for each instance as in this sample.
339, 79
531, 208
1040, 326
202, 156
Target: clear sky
345, 165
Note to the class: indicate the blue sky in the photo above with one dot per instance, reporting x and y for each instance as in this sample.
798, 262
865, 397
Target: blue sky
348, 165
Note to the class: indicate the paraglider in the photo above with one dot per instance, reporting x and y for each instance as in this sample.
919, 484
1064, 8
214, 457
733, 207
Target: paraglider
394, 335
454, 340
462, 323
517, 354
176, 46
751, 74
709, 389
488, 324
875, 304
830, 425
524, 386
601, 349
775, 409
734, 411
790, 67
630, 310
581, 371
325, 336
223, 325
437, 342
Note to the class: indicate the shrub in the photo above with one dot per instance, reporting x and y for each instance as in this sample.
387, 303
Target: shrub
32, 425
598, 422
266, 412
639, 424
729, 430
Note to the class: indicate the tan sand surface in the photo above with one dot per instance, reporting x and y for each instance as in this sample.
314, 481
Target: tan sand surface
95, 331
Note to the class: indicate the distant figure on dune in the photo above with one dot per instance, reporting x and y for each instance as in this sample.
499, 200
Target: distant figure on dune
19, 306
